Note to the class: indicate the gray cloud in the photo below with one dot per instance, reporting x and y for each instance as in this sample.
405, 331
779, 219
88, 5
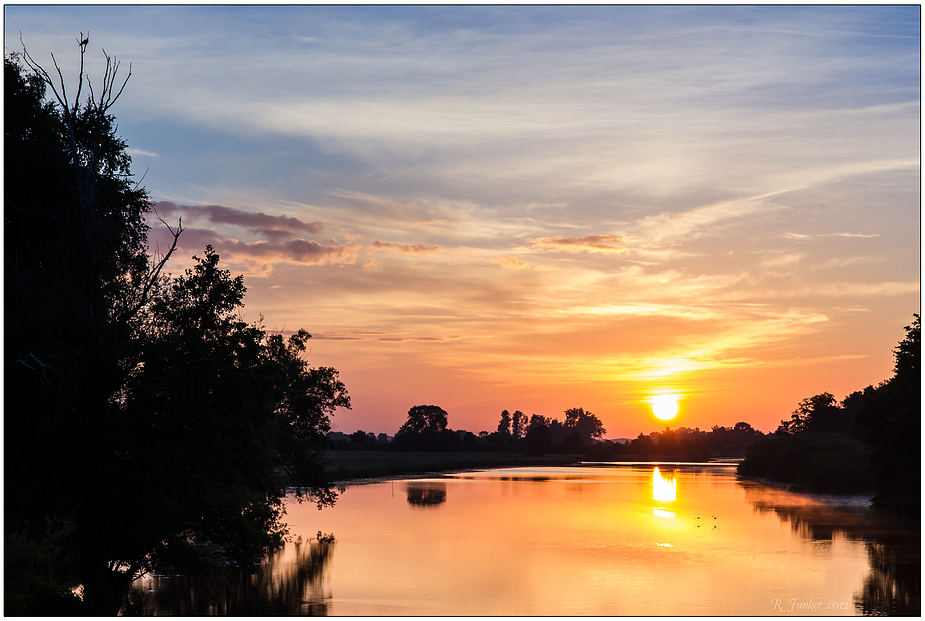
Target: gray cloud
299, 251
275, 227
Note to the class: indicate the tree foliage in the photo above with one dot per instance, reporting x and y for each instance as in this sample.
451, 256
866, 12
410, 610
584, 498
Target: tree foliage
891, 419
146, 423
426, 430
820, 412
423, 418
504, 424
819, 448
585, 424
518, 424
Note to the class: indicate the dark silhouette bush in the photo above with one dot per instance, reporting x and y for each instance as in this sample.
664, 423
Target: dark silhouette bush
821, 462
538, 440
572, 444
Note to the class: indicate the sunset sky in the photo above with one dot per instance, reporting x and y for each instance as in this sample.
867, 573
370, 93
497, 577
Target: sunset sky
538, 208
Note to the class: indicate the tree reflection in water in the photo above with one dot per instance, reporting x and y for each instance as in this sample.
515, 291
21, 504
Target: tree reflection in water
426, 493
289, 582
894, 585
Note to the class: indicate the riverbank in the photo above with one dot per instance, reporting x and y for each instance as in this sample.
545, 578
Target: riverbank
812, 462
347, 466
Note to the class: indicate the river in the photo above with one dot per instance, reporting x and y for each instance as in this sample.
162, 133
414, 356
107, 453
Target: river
606, 539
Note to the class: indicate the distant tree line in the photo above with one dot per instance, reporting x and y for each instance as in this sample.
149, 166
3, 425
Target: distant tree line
870, 441
580, 433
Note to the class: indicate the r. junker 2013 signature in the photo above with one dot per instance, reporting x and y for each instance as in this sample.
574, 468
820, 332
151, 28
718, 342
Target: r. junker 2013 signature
795, 605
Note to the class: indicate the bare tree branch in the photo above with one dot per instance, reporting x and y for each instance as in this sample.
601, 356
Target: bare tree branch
155, 273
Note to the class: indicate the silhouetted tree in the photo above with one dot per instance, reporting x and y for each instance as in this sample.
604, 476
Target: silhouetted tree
891, 418
425, 429
536, 420
853, 405
504, 425
557, 430
360, 437
572, 443
643, 445
167, 415
667, 443
518, 425
818, 413
585, 424
538, 440
814, 461
605, 451
425, 418
740, 435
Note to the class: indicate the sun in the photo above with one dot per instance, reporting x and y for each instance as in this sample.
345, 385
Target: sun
665, 407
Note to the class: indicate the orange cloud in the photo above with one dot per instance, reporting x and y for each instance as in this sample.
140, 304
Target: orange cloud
589, 243
299, 251
405, 249
513, 263
429, 339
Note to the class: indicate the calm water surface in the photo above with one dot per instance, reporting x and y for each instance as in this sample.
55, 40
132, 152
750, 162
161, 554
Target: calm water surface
593, 540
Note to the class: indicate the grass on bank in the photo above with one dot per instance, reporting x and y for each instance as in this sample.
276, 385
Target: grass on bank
348, 465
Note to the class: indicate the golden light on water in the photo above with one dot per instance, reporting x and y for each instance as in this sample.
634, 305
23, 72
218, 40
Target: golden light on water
663, 489
663, 514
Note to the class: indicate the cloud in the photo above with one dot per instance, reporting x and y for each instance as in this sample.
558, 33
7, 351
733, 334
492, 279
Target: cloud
405, 249
429, 339
131, 151
346, 335
805, 237
781, 259
298, 251
513, 263
371, 264
856, 289
589, 243
273, 227
305, 252
705, 219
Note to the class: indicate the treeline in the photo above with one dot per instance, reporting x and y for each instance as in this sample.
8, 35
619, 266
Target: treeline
868, 442
580, 433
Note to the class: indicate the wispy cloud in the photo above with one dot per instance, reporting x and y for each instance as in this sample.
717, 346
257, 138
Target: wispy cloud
809, 237
132, 151
256, 222
425, 339
515, 264
588, 243
297, 251
405, 248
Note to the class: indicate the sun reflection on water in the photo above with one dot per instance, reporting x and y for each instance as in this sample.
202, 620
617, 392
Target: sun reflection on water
665, 490
663, 514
